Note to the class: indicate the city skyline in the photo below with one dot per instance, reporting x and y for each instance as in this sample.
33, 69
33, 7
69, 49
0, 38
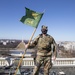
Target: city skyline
59, 16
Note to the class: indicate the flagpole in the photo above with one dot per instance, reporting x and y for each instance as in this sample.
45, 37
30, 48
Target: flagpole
20, 61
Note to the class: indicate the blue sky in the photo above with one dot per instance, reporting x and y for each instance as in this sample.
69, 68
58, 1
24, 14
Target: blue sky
59, 16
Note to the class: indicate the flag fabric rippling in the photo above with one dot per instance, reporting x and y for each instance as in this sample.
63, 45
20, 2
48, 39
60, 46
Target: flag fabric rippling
31, 18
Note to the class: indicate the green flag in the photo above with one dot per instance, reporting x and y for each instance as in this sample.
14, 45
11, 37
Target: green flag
31, 18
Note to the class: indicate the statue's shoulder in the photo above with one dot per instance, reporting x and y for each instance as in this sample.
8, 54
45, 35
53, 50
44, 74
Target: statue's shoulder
39, 36
49, 36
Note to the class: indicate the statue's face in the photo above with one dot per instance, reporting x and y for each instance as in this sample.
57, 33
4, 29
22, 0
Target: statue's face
44, 31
